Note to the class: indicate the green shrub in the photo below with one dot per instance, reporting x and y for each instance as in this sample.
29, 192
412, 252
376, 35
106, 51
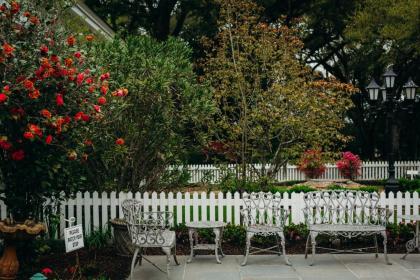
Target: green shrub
300, 188
369, 189
409, 185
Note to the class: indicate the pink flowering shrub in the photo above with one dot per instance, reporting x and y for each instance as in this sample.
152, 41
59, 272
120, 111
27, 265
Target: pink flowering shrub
349, 165
311, 163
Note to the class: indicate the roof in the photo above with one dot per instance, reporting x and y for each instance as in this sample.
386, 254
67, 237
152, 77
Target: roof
93, 20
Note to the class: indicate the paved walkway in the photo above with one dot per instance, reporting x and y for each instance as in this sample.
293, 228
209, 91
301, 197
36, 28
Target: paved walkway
271, 267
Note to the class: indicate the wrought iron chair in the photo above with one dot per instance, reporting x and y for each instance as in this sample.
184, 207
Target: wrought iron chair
263, 215
345, 213
149, 230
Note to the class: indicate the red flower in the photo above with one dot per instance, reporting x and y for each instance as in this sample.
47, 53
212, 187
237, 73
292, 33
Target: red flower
48, 139
120, 92
29, 85
43, 49
71, 40
105, 76
104, 89
15, 7
34, 20
80, 78
120, 141
66, 120
8, 49
54, 58
47, 271
89, 37
97, 108
77, 54
18, 155
34, 94
88, 142
78, 116
59, 100
35, 129
5, 145
85, 118
89, 80
68, 62
3, 98
28, 135
101, 100
45, 113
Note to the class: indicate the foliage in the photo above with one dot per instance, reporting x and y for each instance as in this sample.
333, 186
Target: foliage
300, 188
409, 185
370, 189
52, 95
311, 163
349, 165
270, 106
160, 118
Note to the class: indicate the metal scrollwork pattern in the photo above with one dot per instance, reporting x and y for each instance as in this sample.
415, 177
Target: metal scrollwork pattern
344, 207
146, 229
263, 210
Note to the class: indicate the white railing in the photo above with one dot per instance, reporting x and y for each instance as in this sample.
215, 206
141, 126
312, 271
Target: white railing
94, 210
371, 170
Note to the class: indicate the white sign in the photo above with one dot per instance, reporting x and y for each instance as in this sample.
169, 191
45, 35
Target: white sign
73, 237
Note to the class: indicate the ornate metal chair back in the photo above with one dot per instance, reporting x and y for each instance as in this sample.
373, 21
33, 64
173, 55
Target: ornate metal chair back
263, 209
145, 228
342, 207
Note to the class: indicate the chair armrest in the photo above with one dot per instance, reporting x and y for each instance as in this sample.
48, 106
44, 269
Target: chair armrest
246, 216
284, 216
383, 215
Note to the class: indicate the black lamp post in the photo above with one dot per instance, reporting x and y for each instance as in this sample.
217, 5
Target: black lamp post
392, 101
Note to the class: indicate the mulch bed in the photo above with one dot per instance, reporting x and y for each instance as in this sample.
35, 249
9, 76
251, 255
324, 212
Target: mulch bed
111, 266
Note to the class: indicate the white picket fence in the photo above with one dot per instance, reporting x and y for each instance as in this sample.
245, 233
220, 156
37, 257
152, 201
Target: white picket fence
94, 210
371, 170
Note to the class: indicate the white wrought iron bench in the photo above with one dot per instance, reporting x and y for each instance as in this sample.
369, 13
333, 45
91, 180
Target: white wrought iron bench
345, 213
262, 215
149, 230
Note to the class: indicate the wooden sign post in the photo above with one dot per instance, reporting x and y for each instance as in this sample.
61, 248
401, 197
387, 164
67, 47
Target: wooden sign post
73, 239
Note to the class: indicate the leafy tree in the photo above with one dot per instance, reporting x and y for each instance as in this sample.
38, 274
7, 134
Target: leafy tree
160, 19
162, 114
270, 106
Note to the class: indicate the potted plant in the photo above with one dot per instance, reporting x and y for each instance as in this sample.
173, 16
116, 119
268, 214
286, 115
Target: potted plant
311, 163
51, 95
349, 165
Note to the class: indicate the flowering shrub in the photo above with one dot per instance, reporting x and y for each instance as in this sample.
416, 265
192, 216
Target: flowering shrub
311, 163
51, 96
349, 165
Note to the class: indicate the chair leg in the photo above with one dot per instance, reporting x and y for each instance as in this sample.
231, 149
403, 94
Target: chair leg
249, 235
278, 245
167, 251
376, 246
385, 249
283, 245
133, 262
175, 259
307, 246
313, 240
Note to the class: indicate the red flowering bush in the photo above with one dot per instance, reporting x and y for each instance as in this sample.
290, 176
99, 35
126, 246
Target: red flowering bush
311, 163
52, 95
349, 165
